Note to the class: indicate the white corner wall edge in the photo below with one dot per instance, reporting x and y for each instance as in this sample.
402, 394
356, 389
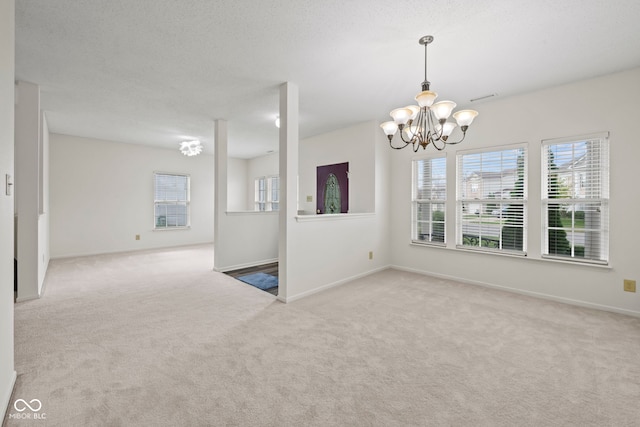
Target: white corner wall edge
333, 284
569, 301
6, 395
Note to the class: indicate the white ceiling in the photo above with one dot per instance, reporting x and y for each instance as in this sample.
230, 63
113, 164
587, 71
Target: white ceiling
160, 71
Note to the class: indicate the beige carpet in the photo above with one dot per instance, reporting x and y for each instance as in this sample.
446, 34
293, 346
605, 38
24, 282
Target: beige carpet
156, 338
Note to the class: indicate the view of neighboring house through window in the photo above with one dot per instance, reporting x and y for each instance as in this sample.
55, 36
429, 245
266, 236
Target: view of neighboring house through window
429, 198
492, 199
575, 198
171, 204
267, 193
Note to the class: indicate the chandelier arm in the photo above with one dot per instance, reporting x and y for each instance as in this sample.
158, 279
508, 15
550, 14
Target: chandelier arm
432, 135
436, 135
426, 127
397, 148
464, 134
444, 144
404, 140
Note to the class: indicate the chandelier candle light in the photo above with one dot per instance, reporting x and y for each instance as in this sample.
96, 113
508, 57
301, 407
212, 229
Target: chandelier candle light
191, 148
426, 123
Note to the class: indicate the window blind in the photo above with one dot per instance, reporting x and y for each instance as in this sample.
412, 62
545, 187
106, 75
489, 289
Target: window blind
261, 194
492, 200
267, 193
274, 185
575, 198
171, 201
429, 200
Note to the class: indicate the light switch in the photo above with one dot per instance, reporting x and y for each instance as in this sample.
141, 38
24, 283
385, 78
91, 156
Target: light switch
9, 185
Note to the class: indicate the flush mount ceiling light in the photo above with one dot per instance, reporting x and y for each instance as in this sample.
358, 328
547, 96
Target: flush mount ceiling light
426, 123
191, 148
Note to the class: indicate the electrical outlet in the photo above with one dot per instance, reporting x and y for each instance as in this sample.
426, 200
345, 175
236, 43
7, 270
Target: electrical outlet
137, 237
370, 254
629, 285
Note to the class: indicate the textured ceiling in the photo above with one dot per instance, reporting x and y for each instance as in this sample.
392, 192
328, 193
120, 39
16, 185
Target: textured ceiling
159, 71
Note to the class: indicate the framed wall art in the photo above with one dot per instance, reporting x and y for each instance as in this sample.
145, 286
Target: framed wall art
332, 194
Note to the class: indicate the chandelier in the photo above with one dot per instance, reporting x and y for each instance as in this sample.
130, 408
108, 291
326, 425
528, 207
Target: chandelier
426, 123
191, 148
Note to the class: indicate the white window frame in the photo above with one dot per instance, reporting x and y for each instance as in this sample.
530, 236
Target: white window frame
168, 201
586, 185
482, 217
264, 199
431, 199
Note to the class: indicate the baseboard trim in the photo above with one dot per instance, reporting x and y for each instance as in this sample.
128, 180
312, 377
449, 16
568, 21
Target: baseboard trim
541, 295
6, 398
125, 251
332, 285
245, 265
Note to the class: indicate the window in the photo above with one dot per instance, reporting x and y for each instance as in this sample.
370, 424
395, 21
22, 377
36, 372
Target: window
171, 204
492, 200
267, 193
274, 186
429, 198
575, 198
261, 194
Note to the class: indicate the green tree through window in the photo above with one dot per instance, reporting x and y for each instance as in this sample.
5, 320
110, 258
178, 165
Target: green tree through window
512, 231
558, 242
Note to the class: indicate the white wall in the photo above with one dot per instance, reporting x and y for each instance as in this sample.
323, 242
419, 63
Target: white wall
331, 249
102, 196
43, 217
7, 41
242, 238
241, 175
246, 239
237, 184
32, 191
29, 190
344, 145
552, 113
328, 249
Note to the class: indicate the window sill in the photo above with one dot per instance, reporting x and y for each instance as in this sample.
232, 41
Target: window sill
492, 251
240, 213
332, 217
432, 244
522, 256
560, 260
172, 228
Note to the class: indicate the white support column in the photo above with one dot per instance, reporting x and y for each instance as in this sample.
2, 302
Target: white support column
220, 188
289, 141
27, 142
